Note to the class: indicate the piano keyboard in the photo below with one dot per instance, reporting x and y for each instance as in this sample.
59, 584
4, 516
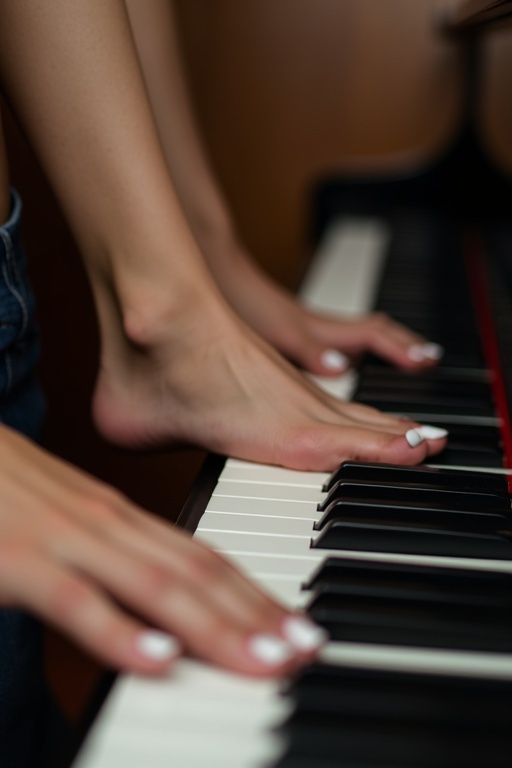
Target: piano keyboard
415, 592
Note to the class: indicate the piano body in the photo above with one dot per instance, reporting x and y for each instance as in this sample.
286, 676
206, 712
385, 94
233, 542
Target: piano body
409, 569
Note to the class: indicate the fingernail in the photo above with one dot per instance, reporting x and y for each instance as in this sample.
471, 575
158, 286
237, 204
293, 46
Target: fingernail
429, 351
303, 634
334, 360
433, 351
157, 645
431, 433
414, 437
416, 353
270, 649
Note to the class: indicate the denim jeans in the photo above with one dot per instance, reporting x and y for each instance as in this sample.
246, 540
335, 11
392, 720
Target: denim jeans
23, 703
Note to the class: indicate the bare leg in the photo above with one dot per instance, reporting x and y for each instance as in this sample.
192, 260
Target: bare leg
177, 365
310, 339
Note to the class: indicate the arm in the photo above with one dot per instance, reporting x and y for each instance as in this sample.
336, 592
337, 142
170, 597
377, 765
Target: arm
177, 365
84, 558
315, 342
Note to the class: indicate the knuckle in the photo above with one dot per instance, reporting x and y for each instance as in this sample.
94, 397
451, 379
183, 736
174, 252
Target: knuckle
380, 320
209, 568
154, 582
308, 450
14, 555
68, 598
218, 627
102, 507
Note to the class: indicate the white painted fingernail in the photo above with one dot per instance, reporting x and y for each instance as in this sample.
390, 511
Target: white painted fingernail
416, 353
414, 437
421, 352
334, 360
431, 433
157, 645
433, 351
303, 634
270, 649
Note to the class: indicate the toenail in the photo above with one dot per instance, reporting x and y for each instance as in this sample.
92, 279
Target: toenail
414, 437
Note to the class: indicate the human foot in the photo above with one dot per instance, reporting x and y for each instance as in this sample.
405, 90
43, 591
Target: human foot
204, 378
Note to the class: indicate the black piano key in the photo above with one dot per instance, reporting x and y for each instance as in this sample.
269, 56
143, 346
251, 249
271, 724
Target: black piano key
421, 515
408, 539
413, 407
387, 491
474, 447
382, 743
456, 584
404, 696
405, 620
470, 437
373, 368
292, 760
413, 384
402, 398
421, 476
443, 709
453, 457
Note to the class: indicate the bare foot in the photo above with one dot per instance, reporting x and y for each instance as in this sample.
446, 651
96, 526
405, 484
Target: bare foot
319, 343
200, 376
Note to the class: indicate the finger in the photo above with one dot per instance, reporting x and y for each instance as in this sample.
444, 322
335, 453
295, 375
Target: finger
252, 597
120, 523
79, 609
399, 345
209, 616
320, 360
380, 334
404, 350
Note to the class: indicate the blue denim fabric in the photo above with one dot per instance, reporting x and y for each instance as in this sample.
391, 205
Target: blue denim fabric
21, 401
22, 694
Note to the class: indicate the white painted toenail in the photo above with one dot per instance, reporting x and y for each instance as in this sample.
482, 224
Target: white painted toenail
431, 433
414, 437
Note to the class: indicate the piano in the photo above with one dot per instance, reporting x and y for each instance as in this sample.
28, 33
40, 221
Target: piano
409, 569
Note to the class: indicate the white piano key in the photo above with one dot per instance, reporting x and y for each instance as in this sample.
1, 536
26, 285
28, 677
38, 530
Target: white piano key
265, 491
283, 590
226, 541
288, 546
306, 510
256, 564
347, 266
342, 387
425, 660
492, 470
148, 717
262, 473
281, 526
254, 550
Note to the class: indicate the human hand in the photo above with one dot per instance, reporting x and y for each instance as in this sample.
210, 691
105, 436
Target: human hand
128, 588
320, 343
331, 343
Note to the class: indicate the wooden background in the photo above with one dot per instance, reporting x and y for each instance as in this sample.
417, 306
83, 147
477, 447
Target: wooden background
285, 92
